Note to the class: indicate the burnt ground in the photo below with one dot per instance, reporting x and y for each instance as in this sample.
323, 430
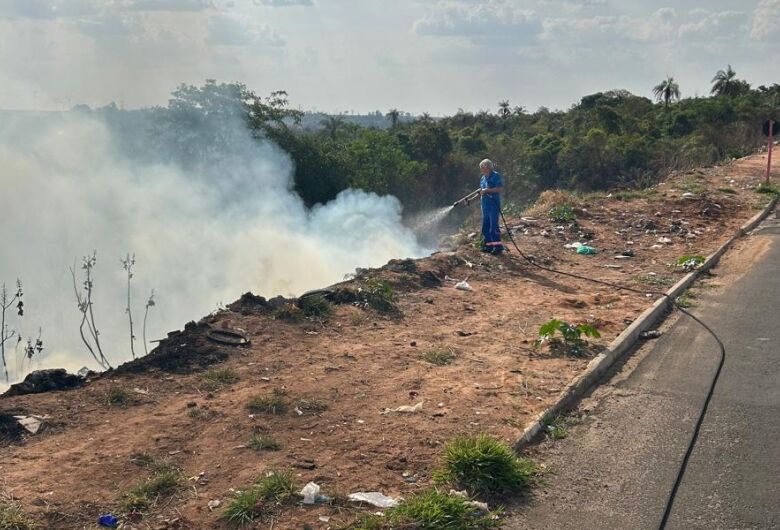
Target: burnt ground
341, 371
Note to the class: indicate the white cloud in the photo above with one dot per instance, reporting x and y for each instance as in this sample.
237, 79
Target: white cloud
167, 5
488, 22
714, 27
284, 3
766, 21
240, 30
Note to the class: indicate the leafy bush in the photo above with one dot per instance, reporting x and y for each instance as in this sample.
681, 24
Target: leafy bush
379, 296
260, 499
561, 214
571, 336
484, 466
315, 306
431, 510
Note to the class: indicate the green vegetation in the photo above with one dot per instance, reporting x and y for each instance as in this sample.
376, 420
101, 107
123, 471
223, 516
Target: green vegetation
612, 139
261, 499
164, 481
558, 427
571, 340
685, 300
218, 378
689, 263
439, 357
561, 214
730, 191
379, 296
11, 515
273, 403
484, 466
769, 189
119, 397
263, 442
430, 510
316, 306
288, 313
655, 280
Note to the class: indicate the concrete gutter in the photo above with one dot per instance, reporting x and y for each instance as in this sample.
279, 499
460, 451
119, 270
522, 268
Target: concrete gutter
624, 342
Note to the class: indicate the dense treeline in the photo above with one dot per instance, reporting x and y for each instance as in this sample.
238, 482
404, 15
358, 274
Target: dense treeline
609, 139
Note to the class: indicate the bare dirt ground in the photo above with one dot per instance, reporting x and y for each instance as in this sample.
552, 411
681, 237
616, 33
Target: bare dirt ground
342, 371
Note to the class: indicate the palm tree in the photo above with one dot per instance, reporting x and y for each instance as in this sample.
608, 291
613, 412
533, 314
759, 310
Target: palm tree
425, 118
393, 115
332, 124
667, 90
725, 83
503, 109
519, 110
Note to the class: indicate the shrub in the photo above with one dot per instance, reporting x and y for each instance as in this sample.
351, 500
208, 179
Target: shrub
484, 466
571, 336
379, 296
260, 499
165, 480
561, 214
119, 397
689, 263
315, 306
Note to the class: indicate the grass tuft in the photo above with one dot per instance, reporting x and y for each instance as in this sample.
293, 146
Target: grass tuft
260, 499
218, 378
484, 466
439, 357
655, 280
263, 442
119, 397
273, 403
769, 189
11, 515
166, 478
431, 510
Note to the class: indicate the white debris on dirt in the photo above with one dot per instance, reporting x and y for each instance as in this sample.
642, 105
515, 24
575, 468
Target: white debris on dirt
374, 498
405, 408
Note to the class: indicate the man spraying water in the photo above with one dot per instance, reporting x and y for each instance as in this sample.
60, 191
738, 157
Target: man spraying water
490, 188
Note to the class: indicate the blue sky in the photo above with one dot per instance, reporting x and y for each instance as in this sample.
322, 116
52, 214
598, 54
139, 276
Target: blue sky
366, 55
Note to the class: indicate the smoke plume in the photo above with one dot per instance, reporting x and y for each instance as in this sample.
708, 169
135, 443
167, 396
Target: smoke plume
203, 229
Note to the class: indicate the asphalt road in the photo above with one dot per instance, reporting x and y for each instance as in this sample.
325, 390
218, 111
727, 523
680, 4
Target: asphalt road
616, 468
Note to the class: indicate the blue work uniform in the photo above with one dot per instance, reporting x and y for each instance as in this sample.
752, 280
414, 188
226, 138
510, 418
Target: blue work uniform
491, 212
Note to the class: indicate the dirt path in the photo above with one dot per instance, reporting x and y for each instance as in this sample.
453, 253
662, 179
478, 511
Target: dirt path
343, 371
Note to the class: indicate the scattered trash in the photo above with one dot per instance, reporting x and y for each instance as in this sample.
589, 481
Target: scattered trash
585, 249
141, 391
310, 492
574, 245
406, 408
462, 494
231, 337
481, 506
688, 195
650, 334
628, 253
214, 504
108, 520
31, 423
462, 333
374, 498
84, 372
298, 411
608, 266
665, 240
463, 286
324, 519
306, 464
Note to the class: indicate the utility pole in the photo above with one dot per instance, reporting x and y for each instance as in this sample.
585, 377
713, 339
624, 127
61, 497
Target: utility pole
772, 124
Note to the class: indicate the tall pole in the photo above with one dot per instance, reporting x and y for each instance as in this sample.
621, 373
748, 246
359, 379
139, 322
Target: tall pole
769, 150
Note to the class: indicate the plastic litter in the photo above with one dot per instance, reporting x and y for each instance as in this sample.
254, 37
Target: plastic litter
310, 492
374, 498
406, 408
665, 240
481, 506
585, 249
463, 286
108, 520
574, 245
31, 423
214, 504
650, 334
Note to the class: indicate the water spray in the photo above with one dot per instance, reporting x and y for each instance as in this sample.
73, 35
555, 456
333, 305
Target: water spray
468, 198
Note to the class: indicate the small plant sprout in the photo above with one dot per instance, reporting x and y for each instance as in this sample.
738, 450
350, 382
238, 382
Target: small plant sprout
127, 264
6, 302
689, 263
84, 303
149, 303
561, 214
570, 336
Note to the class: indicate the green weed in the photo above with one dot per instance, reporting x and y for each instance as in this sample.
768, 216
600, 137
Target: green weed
562, 213
260, 499
439, 357
218, 378
630, 195
119, 397
379, 296
570, 340
430, 510
11, 515
769, 189
316, 306
273, 403
655, 280
689, 263
484, 466
263, 442
730, 191
166, 478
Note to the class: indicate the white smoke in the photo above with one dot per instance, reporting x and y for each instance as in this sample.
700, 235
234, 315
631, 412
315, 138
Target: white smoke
201, 235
